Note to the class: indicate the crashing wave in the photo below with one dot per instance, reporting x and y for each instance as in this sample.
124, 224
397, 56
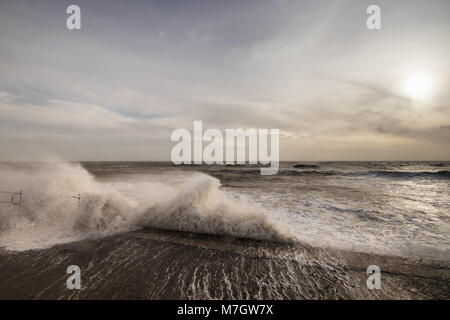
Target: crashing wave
190, 202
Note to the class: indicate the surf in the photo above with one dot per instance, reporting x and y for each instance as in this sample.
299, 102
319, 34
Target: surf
191, 202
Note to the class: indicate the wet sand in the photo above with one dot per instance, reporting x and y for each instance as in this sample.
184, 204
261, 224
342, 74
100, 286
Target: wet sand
152, 264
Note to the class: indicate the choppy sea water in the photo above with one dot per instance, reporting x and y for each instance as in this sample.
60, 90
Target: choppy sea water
391, 208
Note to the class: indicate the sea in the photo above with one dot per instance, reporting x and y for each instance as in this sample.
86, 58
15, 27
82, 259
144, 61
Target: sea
388, 208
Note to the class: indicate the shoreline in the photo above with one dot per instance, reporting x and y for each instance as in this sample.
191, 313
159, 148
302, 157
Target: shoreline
156, 264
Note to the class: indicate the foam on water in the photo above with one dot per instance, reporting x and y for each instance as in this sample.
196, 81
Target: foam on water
190, 202
357, 226
357, 212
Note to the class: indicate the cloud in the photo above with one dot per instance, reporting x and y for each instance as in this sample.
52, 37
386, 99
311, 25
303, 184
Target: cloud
135, 73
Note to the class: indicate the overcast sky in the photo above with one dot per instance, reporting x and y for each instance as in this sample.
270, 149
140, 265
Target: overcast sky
137, 70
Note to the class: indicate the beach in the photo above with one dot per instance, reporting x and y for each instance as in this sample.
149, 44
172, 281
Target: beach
152, 264
143, 230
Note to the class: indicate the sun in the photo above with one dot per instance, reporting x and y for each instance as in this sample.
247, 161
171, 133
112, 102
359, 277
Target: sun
418, 87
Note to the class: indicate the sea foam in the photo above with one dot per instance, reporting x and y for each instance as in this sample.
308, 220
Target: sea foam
50, 213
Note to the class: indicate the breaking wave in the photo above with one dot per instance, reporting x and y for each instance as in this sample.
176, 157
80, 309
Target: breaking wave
50, 213
443, 174
306, 166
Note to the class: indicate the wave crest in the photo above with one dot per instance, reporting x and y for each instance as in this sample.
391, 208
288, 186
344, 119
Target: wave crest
190, 202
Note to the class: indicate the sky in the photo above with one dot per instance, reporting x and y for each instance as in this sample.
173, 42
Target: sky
137, 70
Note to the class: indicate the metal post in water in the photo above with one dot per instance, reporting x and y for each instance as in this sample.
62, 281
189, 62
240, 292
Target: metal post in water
14, 199
78, 197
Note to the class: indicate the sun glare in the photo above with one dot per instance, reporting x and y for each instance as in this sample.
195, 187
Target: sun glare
418, 87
